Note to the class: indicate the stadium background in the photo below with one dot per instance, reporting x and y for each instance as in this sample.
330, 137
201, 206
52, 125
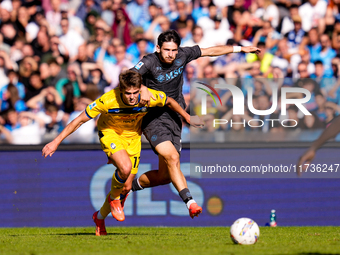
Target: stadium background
65, 190
71, 67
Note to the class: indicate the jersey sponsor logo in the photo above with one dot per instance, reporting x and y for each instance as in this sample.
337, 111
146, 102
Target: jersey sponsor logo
128, 110
174, 74
100, 100
178, 62
113, 146
170, 76
160, 95
160, 78
91, 106
139, 65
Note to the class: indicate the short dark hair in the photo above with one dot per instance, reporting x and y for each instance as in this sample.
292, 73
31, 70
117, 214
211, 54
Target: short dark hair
37, 73
169, 36
261, 44
130, 79
52, 61
318, 62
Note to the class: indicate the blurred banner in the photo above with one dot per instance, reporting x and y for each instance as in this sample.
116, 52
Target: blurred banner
66, 189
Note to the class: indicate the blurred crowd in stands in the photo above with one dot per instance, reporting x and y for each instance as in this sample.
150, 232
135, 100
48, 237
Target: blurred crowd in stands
58, 56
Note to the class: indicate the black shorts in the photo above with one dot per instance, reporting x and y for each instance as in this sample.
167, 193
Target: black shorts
156, 133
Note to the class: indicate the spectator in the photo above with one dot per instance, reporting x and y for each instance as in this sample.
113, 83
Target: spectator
154, 12
268, 36
183, 16
183, 32
242, 28
264, 57
53, 16
312, 11
10, 97
84, 134
202, 10
287, 22
70, 39
138, 12
310, 122
295, 36
27, 66
25, 128
35, 86
326, 81
47, 96
133, 50
326, 54
220, 33
73, 78
41, 44
122, 26
152, 34
87, 6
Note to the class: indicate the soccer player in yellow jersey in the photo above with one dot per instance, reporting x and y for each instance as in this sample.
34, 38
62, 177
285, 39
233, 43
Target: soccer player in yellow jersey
119, 127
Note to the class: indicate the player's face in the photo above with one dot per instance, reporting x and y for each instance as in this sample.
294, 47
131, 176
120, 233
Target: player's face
168, 52
130, 95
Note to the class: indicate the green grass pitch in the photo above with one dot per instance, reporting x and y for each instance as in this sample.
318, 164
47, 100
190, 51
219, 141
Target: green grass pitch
167, 240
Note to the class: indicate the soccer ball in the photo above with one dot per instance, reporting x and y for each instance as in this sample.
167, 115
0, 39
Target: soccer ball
244, 231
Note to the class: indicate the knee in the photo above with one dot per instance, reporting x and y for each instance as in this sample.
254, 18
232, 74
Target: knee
172, 159
125, 170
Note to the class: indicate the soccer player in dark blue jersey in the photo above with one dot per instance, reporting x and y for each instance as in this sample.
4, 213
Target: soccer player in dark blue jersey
163, 70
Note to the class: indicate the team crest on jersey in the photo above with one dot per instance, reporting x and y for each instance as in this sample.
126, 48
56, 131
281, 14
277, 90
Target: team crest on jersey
139, 65
160, 78
144, 109
158, 68
178, 62
91, 106
154, 138
113, 146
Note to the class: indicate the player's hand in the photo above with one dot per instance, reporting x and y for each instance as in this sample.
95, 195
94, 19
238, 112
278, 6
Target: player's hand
251, 49
304, 160
145, 96
49, 149
195, 121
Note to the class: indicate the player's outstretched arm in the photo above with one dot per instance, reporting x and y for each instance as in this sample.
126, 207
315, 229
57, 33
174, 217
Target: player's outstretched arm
331, 131
226, 49
193, 121
51, 147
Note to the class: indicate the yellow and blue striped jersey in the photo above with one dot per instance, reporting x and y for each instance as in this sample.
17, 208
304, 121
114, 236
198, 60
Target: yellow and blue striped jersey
125, 120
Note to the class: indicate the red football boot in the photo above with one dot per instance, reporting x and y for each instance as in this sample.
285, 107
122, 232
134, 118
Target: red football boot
100, 225
194, 210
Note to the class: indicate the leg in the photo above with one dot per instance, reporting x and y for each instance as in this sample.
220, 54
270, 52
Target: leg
169, 170
123, 163
170, 157
155, 178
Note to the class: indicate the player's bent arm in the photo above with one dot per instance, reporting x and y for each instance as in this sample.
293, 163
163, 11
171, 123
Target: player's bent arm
226, 49
308, 156
331, 131
51, 147
173, 105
